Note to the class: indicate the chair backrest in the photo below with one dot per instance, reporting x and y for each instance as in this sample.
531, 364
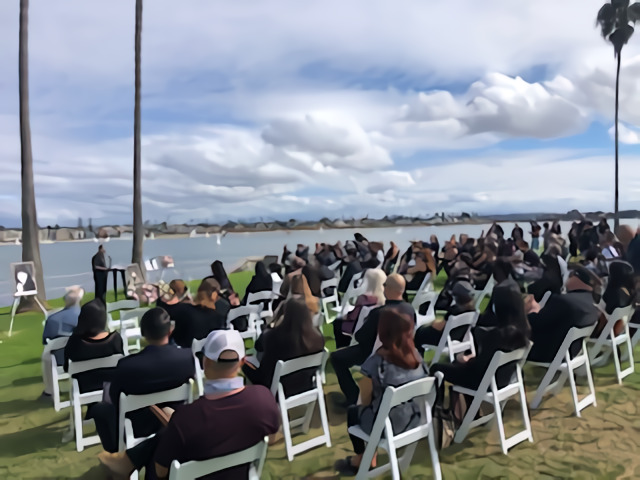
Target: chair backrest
426, 283
488, 288
422, 389
574, 334
135, 313
619, 314
353, 291
330, 283
94, 364
334, 266
255, 297
455, 321
251, 311
284, 368
197, 345
545, 298
131, 403
501, 359
55, 344
122, 305
196, 469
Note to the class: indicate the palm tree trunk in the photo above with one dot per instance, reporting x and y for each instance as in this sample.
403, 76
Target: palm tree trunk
616, 221
30, 230
138, 227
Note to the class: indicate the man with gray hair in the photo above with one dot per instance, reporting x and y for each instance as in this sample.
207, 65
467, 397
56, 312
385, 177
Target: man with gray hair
60, 324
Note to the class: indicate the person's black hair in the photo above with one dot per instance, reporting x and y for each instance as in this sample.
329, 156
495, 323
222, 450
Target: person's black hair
217, 268
502, 269
621, 275
92, 319
297, 322
275, 268
510, 314
155, 324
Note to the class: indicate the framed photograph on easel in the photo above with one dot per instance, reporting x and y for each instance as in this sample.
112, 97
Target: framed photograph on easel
24, 279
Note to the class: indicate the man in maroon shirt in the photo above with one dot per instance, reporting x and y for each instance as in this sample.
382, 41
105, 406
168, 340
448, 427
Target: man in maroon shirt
228, 418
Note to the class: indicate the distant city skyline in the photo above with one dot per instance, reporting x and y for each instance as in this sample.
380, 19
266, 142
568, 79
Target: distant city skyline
310, 109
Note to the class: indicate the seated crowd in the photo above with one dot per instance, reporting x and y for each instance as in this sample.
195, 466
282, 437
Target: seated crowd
535, 298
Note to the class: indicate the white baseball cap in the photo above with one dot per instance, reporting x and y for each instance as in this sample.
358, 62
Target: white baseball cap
220, 341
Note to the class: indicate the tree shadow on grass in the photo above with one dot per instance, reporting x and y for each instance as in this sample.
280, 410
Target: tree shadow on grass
21, 382
21, 406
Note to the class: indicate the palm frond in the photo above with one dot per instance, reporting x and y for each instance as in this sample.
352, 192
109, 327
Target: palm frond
620, 37
606, 19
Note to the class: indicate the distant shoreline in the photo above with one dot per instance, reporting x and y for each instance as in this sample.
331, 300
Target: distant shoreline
163, 230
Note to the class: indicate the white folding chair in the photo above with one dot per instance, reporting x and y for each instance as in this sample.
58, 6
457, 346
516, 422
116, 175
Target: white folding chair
334, 266
253, 321
308, 398
383, 436
329, 299
116, 306
451, 347
254, 455
425, 286
196, 347
57, 372
265, 300
608, 342
276, 280
566, 367
636, 336
422, 297
131, 403
489, 392
486, 292
130, 328
79, 399
356, 287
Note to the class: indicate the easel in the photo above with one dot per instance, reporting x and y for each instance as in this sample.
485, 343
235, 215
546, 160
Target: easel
14, 308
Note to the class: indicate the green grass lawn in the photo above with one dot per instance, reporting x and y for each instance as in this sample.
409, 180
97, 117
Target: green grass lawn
602, 444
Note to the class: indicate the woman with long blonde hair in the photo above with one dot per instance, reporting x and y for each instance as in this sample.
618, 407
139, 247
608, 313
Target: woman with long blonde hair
343, 328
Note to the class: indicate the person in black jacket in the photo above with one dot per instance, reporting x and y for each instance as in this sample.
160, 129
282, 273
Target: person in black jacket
551, 277
196, 321
260, 282
512, 332
551, 324
294, 337
345, 358
160, 366
502, 274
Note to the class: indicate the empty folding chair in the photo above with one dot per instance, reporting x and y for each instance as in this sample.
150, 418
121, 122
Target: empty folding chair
56, 373
356, 287
608, 342
79, 399
489, 392
130, 328
196, 469
116, 306
332, 298
425, 297
308, 399
254, 322
449, 346
486, 292
131, 403
382, 435
265, 299
565, 366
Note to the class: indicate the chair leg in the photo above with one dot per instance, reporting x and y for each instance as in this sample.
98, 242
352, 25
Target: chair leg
323, 416
365, 463
545, 383
405, 461
525, 410
286, 428
574, 394
503, 438
616, 361
465, 426
592, 388
77, 422
393, 461
435, 459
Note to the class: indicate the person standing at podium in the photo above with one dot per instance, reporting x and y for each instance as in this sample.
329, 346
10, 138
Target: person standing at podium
100, 273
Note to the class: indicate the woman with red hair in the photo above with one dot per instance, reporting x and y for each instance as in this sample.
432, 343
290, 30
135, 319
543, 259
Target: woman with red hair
395, 363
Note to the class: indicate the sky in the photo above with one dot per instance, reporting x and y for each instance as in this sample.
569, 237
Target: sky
287, 109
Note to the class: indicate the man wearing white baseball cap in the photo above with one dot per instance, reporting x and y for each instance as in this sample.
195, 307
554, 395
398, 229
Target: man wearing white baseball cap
230, 417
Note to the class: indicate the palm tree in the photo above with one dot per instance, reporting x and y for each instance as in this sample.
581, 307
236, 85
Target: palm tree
138, 227
615, 19
30, 230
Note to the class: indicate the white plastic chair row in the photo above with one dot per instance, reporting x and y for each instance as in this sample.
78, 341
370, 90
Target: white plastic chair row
254, 321
425, 286
449, 346
489, 392
79, 399
117, 306
430, 297
331, 299
265, 300
382, 435
308, 399
130, 328
566, 367
486, 292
